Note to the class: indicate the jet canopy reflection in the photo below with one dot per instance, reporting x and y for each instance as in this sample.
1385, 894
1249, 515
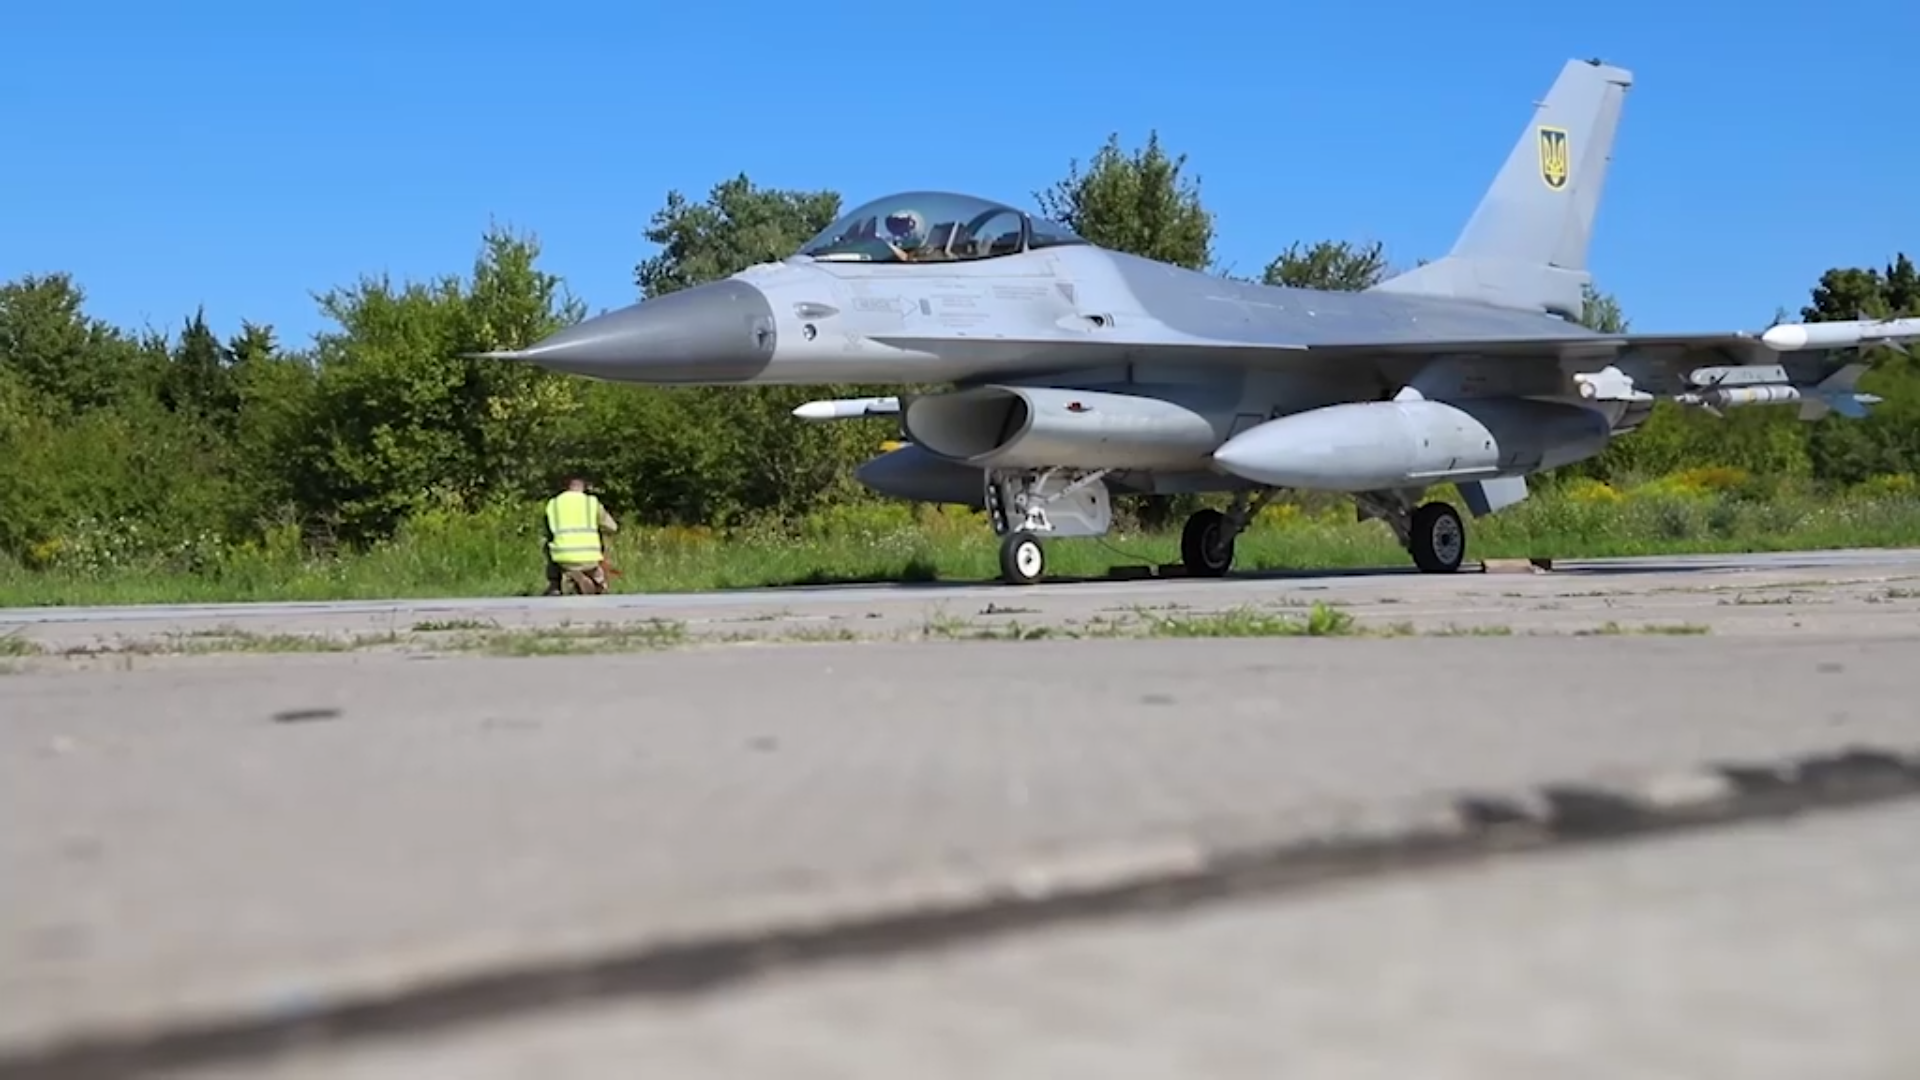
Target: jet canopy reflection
934, 226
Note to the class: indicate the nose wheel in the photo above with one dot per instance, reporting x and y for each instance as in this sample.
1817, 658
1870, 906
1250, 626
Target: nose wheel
1022, 560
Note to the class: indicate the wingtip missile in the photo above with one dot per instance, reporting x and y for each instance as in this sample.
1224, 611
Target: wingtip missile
1861, 333
817, 410
847, 408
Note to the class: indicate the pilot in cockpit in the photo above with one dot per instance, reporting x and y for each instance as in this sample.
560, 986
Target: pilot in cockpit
908, 238
945, 242
905, 233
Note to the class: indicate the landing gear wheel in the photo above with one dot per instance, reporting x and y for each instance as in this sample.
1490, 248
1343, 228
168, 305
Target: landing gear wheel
1437, 539
1022, 560
1204, 551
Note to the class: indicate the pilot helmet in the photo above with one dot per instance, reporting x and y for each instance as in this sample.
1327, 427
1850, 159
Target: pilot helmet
906, 228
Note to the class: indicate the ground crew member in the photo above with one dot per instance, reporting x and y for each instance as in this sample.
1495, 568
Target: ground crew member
575, 521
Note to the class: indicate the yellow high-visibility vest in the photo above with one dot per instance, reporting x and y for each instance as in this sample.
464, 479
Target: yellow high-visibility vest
574, 519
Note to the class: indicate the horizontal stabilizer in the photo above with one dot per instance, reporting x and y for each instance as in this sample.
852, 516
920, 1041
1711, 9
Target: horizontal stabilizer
1837, 392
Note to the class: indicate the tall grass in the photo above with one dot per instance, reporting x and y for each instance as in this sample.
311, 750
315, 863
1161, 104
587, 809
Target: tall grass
498, 554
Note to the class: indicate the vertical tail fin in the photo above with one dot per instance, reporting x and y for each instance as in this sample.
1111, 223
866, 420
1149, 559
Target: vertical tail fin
1526, 244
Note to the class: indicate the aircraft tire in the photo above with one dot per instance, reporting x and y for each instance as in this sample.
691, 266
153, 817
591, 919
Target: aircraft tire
1201, 552
1437, 539
1022, 560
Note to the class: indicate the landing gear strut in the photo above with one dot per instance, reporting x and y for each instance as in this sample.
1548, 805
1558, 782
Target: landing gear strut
1025, 505
1432, 533
1206, 543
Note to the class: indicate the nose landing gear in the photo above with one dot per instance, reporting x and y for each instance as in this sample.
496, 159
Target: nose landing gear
1025, 505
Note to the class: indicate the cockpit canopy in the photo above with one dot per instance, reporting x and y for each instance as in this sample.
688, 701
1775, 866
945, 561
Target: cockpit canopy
934, 226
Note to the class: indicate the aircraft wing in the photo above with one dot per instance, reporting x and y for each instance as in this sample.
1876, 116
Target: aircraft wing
1740, 346
1715, 369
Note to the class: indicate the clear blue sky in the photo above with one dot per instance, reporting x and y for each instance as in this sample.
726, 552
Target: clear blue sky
242, 156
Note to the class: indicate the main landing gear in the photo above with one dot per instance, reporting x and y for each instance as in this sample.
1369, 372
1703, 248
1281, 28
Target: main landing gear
1026, 507
1432, 532
1206, 542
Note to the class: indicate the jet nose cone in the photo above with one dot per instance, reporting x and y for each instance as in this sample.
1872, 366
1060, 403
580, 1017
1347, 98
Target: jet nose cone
720, 332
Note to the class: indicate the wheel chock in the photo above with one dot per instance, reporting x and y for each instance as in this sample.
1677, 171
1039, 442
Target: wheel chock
1516, 566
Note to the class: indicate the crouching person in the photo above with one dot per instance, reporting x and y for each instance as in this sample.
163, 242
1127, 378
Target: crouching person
575, 524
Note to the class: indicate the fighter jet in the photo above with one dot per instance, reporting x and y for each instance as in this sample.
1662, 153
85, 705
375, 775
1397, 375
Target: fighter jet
1070, 373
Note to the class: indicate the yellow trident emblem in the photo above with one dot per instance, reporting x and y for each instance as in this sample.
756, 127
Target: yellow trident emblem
1556, 162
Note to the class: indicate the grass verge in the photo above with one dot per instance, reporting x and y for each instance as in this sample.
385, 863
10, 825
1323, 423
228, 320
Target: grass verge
493, 555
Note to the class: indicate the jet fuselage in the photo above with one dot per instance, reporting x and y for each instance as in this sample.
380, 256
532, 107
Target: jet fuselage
1025, 314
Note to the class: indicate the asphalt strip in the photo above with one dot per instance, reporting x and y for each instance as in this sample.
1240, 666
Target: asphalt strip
1404, 839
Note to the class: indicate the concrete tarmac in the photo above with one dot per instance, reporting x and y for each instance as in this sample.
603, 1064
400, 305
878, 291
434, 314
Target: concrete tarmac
1772, 953
227, 816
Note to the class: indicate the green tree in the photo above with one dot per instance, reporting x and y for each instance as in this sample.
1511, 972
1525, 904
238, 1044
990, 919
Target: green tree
1601, 312
738, 226
92, 465
275, 444
1138, 203
96, 468
110, 485
1887, 441
517, 409
69, 359
198, 379
1856, 293
405, 419
254, 342
1328, 264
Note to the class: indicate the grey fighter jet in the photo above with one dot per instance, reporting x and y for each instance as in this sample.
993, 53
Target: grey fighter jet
1074, 373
